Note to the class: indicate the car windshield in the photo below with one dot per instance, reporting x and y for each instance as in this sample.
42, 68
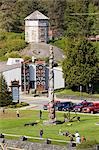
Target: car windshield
80, 104
63, 104
90, 104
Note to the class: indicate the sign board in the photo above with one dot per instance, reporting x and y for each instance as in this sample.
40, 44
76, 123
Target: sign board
40, 75
15, 94
15, 90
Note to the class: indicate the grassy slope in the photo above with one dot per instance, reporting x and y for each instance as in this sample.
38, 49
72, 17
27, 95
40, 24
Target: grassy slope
69, 93
11, 42
12, 125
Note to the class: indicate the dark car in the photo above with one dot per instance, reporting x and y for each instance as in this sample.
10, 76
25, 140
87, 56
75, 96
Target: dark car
62, 105
80, 106
69, 107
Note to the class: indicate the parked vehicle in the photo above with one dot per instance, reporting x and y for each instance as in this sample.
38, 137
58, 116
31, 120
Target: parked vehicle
92, 107
63, 105
69, 107
80, 106
46, 106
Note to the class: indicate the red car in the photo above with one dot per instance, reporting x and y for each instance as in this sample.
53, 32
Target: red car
93, 107
80, 106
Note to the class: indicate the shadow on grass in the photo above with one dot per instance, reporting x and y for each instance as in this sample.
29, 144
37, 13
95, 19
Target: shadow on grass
59, 122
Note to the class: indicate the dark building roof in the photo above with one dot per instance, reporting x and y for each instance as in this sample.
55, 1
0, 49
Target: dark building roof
36, 15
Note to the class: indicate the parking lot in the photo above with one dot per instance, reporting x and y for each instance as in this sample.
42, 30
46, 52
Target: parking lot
39, 102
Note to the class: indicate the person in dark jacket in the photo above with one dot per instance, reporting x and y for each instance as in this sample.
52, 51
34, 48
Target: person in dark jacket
40, 114
41, 133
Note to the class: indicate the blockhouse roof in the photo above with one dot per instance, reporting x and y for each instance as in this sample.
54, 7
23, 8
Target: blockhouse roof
36, 15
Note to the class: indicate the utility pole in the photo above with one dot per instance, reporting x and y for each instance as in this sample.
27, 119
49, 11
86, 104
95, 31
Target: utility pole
51, 86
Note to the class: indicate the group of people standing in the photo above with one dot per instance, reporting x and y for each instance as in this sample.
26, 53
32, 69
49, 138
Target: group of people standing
77, 137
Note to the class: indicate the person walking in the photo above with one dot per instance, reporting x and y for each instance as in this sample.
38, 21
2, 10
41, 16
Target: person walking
41, 133
3, 110
40, 114
17, 113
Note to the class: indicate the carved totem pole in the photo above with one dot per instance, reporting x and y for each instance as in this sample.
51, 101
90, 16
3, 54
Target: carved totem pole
51, 86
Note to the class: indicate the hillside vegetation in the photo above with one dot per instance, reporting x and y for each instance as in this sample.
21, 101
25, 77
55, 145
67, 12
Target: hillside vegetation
10, 44
62, 42
67, 17
74, 20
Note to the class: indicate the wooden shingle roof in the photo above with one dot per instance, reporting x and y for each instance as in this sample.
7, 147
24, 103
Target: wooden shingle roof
36, 15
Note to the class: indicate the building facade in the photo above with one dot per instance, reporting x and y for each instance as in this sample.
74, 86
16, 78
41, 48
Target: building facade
36, 28
29, 77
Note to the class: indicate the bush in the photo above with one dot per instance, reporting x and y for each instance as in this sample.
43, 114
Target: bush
27, 58
24, 104
5, 103
10, 42
13, 55
2, 37
12, 106
18, 105
15, 45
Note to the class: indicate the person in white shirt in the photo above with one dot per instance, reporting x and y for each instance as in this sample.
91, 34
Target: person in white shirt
77, 134
78, 140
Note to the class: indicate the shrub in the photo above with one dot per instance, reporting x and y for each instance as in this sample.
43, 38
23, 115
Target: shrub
27, 58
13, 55
24, 104
2, 37
18, 105
12, 106
10, 42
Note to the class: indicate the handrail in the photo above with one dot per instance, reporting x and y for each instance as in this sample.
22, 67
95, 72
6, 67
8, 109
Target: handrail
38, 138
13, 148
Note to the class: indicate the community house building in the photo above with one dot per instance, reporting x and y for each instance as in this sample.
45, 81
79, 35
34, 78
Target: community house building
29, 76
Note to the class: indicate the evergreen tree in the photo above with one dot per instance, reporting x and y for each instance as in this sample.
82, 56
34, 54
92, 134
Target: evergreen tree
56, 15
93, 20
13, 12
80, 65
5, 96
6, 14
81, 18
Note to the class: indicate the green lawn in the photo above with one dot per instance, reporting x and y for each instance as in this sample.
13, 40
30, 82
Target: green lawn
10, 124
69, 93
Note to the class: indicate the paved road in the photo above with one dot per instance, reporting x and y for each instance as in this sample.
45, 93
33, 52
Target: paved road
38, 102
35, 102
